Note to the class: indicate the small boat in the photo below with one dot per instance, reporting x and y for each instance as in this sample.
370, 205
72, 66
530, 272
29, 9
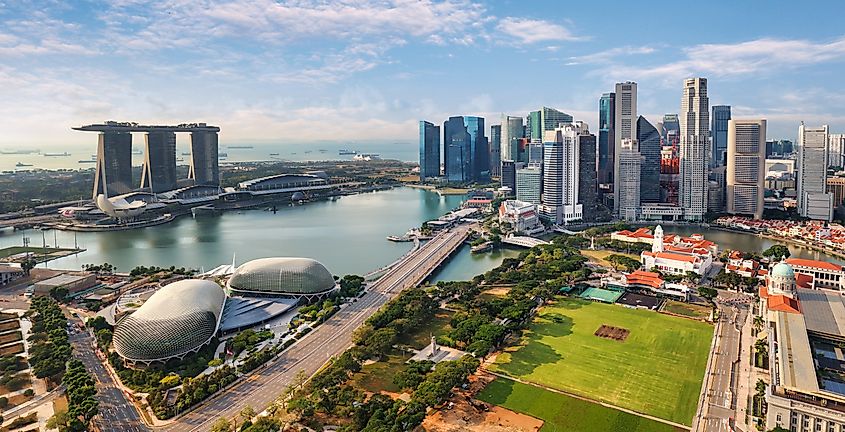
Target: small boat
394, 238
186, 153
322, 150
86, 161
308, 152
56, 154
343, 152
274, 154
240, 147
21, 164
483, 247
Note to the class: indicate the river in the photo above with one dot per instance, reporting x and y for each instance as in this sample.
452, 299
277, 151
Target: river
347, 235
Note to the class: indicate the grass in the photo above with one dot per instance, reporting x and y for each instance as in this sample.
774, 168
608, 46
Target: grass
565, 413
378, 377
439, 325
657, 370
600, 256
686, 309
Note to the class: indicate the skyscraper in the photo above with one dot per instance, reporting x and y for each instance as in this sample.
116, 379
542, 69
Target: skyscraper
465, 148
695, 124
204, 168
627, 194
649, 147
512, 131
495, 150
545, 119
429, 150
625, 124
719, 134
561, 174
587, 184
607, 142
671, 130
746, 153
837, 150
535, 153
158, 173
813, 200
114, 164
529, 184
509, 169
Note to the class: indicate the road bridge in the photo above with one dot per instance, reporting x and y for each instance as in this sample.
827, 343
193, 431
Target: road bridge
260, 388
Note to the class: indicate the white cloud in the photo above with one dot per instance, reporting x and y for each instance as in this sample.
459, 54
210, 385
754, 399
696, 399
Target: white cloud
610, 55
530, 30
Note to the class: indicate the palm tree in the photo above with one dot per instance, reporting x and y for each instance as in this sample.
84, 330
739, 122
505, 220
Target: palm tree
760, 387
758, 323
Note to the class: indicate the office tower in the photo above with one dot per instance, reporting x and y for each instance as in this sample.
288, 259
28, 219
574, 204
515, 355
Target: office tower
627, 194
512, 131
465, 149
746, 168
649, 141
495, 150
607, 142
529, 184
587, 176
716, 189
669, 173
837, 150
158, 173
561, 174
522, 147
114, 164
429, 150
535, 152
624, 123
545, 119
813, 200
695, 125
719, 134
671, 129
204, 168
509, 169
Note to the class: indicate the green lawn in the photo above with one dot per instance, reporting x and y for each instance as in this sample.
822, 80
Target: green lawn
657, 370
686, 309
437, 326
564, 413
378, 377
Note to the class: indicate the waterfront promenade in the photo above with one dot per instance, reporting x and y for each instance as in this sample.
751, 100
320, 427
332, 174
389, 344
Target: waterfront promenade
260, 388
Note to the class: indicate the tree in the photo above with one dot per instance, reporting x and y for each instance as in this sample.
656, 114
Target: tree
221, 425
707, 292
28, 265
758, 323
777, 252
59, 421
779, 429
247, 413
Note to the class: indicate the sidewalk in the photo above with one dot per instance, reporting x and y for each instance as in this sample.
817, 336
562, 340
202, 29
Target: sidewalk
745, 375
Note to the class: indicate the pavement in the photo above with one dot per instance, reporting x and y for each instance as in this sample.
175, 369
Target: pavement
116, 411
261, 388
720, 398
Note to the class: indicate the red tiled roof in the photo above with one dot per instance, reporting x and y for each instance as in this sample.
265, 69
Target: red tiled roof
643, 277
764, 292
803, 280
783, 303
813, 263
676, 256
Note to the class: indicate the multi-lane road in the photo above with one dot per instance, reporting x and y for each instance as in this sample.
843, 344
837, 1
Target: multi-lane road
331, 338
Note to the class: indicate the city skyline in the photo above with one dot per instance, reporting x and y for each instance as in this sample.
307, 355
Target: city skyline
371, 70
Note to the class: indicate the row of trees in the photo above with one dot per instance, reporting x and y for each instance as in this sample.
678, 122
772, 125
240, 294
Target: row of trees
50, 349
82, 400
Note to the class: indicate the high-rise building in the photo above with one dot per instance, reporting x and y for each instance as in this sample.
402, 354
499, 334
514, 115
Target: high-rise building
535, 152
746, 167
509, 169
544, 120
837, 150
465, 148
625, 124
671, 129
113, 175
607, 142
512, 131
587, 175
495, 150
529, 184
429, 150
695, 131
561, 203
813, 200
716, 189
719, 134
204, 168
158, 173
627, 194
649, 141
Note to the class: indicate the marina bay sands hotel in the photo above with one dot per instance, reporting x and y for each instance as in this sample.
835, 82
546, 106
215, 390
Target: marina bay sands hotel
114, 156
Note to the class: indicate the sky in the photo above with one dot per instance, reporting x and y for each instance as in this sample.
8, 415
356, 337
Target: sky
305, 71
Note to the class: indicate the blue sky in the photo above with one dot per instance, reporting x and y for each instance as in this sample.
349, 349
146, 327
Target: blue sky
304, 70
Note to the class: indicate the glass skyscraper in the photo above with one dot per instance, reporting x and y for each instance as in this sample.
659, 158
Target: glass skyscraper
429, 150
649, 141
545, 119
465, 149
606, 144
719, 134
495, 150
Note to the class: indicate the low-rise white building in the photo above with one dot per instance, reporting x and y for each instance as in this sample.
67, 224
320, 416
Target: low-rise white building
678, 258
522, 216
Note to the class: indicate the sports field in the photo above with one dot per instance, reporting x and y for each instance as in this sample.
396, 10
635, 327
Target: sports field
565, 413
656, 370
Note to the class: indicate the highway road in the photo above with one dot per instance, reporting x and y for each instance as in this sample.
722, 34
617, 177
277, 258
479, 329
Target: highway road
720, 398
331, 338
116, 412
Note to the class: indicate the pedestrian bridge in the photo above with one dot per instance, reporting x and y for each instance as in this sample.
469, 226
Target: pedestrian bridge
528, 242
